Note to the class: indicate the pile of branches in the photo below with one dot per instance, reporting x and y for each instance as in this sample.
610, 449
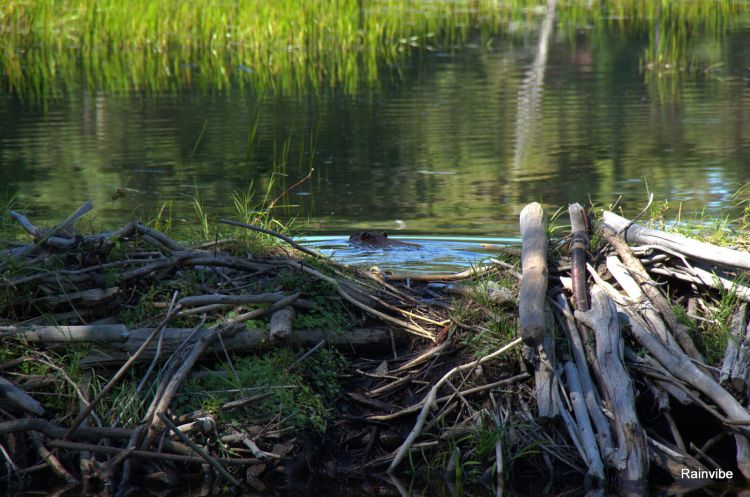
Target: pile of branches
612, 339
65, 290
630, 373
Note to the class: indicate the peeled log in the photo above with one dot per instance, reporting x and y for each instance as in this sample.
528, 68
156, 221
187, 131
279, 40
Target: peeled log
533, 288
693, 248
631, 456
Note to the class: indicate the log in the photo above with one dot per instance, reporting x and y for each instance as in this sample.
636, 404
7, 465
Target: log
223, 299
282, 322
579, 245
106, 333
735, 368
13, 397
641, 304
650, 288
593, 458
533, 289
247, 340
591, 396
682, 368
631, 457
634, 233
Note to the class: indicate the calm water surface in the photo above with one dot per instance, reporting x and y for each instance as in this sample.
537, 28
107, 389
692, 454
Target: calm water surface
452, 143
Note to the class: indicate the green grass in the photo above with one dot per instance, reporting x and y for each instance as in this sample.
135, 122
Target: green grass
48, 46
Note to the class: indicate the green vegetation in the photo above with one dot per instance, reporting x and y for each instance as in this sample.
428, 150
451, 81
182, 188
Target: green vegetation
295, 395
287, 45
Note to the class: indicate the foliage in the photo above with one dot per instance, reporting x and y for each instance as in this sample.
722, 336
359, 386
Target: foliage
293, 394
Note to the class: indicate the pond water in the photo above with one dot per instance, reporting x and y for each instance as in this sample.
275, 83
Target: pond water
448, 142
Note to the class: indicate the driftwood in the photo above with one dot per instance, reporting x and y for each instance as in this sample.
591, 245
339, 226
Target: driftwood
735, 368
631, 458
633, 233
531, 295
247, 340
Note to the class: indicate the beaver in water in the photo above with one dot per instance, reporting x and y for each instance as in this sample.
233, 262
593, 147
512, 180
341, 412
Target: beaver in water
379, 240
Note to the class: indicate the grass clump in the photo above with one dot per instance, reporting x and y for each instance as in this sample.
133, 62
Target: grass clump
292, 394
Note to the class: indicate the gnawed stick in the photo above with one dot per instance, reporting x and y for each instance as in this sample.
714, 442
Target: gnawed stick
51, 459
593, 458
18, 399
273, 233
639, 273
429, 402
531, 294
679, 365
633, 233
735, 369
591, 396
148, 454
579, 245
631, 458
416, 407
639, 300
70, 221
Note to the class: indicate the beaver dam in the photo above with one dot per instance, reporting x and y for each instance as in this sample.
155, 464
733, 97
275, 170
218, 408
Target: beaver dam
132, 360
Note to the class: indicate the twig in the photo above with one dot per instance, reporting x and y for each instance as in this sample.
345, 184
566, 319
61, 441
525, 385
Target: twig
197, 448
146, 454
123, 369
429, 402
417, 330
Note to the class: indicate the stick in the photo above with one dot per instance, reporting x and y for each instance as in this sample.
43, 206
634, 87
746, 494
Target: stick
531, 294
146, 454
693, 248
121, 372
29, 249
639, 273
429, 402
273, 233
18, 398
210, 460
579, 244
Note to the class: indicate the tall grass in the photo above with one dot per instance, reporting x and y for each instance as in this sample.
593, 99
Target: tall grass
284, 45
167, 44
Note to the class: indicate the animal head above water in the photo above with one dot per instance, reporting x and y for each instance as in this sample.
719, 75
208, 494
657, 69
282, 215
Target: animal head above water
369, 238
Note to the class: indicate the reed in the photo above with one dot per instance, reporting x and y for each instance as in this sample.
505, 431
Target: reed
49, 46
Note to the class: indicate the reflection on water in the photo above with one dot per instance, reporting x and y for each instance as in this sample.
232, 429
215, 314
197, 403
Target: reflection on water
431, 151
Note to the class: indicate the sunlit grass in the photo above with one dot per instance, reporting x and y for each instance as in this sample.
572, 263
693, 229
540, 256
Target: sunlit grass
48, 46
